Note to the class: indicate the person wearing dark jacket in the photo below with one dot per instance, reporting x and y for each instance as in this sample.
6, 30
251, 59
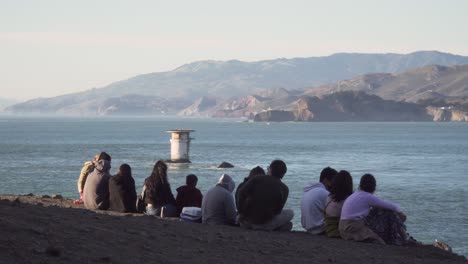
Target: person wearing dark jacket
157, 193
122, 194
188, 195
96, 189
261, 201
253, 172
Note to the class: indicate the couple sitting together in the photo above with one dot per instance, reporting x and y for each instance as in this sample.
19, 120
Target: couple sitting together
331, 208
259, 199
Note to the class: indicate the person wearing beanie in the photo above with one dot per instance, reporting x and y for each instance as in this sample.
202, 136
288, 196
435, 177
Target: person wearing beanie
218, 206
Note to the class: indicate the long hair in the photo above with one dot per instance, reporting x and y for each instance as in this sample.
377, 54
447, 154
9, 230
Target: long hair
155, 182
341, 186
125, 170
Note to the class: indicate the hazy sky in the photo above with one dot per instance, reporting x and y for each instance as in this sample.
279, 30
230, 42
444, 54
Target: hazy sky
49, 48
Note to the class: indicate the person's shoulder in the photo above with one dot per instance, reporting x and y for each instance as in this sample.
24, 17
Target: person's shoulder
181, 189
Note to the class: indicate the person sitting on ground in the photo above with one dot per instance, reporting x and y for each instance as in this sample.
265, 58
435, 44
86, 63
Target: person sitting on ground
157, 194
253, 172
360, 223
218, 206
341, 187
313, 203
122, 194
96, 189
262, 198
88, 167
188, 195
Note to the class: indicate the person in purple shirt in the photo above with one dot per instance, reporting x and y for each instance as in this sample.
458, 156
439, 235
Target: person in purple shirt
366, 217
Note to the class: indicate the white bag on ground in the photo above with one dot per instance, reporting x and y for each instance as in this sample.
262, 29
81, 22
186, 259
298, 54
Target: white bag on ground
191, 214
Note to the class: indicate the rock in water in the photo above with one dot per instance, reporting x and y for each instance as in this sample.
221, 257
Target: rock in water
57, 196
224, 165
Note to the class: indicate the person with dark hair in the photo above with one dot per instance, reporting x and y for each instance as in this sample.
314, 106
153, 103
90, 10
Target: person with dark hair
313, 202
262, 198
362, 216
253, 172
122, 194
188, 195
88, 167
157, 194
218, 206
340, 188
96, 189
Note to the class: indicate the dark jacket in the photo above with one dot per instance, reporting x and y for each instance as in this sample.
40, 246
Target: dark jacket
160, 196
122, 194
236, 196
261, 198
188, 196
96, 189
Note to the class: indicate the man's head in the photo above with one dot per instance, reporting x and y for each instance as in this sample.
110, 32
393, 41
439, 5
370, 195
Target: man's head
368, 183
191, 180
327, 175
277, 169
104, 156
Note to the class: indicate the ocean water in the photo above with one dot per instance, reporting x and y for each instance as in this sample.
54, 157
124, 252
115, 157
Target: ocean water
421, 166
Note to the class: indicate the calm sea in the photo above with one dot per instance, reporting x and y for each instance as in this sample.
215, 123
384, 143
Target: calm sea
421, 166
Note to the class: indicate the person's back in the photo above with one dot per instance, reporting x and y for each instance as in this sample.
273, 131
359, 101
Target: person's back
257, 171
122, 193
357, 224
161, 195
313, 203
218, 206
96, 190
87, 168
261, 198
188, 195
312, 208
157, 193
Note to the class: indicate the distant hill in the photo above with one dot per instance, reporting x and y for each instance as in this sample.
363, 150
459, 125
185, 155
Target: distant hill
227, 79
4, 102
358, 106
424, 83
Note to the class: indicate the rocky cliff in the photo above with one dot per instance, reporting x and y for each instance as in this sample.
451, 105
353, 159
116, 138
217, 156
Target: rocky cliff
447, 114
348, 106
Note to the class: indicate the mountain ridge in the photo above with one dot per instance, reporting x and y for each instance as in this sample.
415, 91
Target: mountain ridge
234, 78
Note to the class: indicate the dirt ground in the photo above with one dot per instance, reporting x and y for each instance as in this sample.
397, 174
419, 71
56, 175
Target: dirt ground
54, 230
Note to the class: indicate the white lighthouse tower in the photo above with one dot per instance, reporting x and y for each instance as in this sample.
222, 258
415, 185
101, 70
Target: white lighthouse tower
180, 145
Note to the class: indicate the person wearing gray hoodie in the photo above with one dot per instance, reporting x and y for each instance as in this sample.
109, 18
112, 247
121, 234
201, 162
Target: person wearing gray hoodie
218, 206
96, 189
313, 202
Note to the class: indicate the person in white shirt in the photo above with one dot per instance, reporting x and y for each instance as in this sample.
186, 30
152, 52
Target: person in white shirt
313, 202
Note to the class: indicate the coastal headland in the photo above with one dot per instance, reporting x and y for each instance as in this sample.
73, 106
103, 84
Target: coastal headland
54, 230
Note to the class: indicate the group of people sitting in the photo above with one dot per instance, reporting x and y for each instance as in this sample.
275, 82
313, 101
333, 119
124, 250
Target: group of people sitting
329, 207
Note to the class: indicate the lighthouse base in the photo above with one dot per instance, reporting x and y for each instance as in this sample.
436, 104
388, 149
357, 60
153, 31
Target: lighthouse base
178, 161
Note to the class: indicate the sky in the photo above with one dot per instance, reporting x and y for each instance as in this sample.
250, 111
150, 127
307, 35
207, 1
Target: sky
55, 47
